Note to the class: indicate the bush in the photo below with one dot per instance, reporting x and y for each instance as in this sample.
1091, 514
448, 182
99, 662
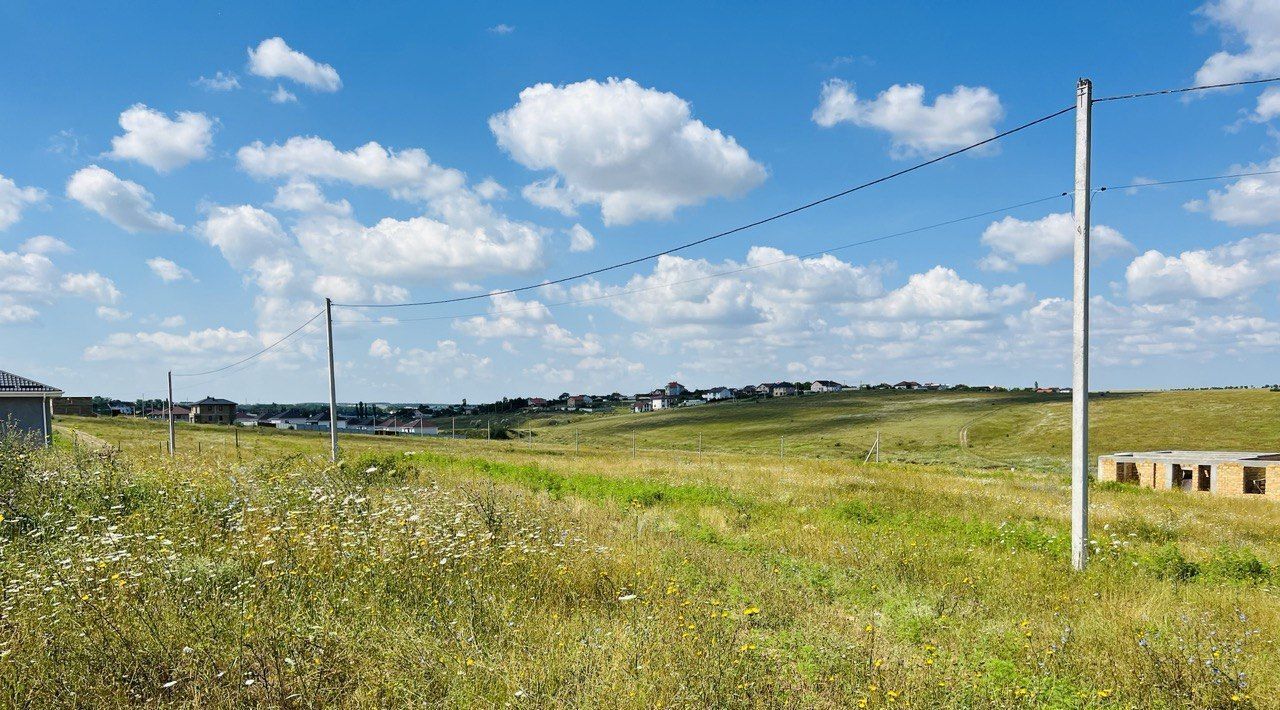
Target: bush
1167, 562
1237, 564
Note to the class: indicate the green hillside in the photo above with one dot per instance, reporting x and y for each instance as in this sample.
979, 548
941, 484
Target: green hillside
1016, 429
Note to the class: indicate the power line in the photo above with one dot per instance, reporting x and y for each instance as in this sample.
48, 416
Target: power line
250, 357
1232, 176
1185, 89
727, 232
727, 272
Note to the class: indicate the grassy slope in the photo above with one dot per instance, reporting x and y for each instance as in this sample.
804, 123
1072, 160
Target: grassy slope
1004, 428
946, 585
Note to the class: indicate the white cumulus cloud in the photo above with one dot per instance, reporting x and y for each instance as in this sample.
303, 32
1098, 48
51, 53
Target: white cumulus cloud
14, 199
274, 59
407, 174
122, 202
1014, 241
45, 244
167, 270
581, 239
1253, 200
636, 152
1227, 271
964, 116
159, 142
91, 285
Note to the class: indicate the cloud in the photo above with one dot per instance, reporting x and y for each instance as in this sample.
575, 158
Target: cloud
26, 275
635, 152
283, 96
422, 248
113, 314
14, 313
306, 197
167, 270
14, 199
940, 294
45, 244
502, 29
447, 360
771, 290
381, 349
509, 317
91, 285
273, 59
173, 322
965, 116
155, 140
1038, 242
580, 239
1253, 200
408, 174
251, 239
122, 202
222, 81
1227, 271
1254, 22
151, 346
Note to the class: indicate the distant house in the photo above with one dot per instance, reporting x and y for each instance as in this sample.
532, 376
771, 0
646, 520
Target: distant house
675, 389
651, 402
25, 406
717, 393
1047, 390
288, 419
247, 419
748, 391
161, 413
825, 386
397, 426
120, 409
642, 404
212, 410
907, 385
578, 401
537, 402
782, 389
73, 406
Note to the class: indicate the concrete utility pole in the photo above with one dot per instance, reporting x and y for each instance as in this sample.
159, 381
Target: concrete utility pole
172, 445
1080, 332
333, 385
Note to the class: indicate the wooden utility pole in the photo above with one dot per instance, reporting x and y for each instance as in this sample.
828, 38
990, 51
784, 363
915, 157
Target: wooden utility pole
1080, 334
172, 445
333, 384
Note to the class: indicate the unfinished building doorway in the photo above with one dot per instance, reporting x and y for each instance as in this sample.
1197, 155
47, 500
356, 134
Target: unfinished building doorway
1255, 480
1183, 480
1127, 472
1204, 478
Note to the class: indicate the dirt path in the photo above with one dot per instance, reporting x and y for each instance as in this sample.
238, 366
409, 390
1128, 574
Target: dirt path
81, 437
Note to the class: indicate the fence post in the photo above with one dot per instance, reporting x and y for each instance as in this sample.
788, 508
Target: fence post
699, 446
577, 443
633, 446
782, 447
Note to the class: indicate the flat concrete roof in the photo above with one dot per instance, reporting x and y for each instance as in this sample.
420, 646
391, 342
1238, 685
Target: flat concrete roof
1175, 456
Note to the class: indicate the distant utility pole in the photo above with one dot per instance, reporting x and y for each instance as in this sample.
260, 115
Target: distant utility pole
170, 415
333, 385
1080, 332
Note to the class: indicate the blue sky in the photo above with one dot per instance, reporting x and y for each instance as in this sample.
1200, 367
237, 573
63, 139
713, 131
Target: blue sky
182, 186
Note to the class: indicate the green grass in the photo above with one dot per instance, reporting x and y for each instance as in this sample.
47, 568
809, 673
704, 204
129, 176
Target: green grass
1005, 429
894, 585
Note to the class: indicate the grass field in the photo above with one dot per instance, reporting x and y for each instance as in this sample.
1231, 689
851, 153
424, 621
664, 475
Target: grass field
1020, 429
480, 574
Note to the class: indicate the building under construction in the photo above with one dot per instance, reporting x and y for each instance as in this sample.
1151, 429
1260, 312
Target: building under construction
1224, 473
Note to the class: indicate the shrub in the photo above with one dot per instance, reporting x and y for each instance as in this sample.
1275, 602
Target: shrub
1167, 562
1237, 564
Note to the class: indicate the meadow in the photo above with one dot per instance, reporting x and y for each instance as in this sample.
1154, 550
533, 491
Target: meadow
470, 573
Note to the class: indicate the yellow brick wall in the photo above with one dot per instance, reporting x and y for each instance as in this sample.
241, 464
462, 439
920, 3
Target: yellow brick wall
1106, 469
1230, 479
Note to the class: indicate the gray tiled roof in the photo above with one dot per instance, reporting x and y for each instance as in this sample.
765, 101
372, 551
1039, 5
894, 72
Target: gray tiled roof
10, 382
